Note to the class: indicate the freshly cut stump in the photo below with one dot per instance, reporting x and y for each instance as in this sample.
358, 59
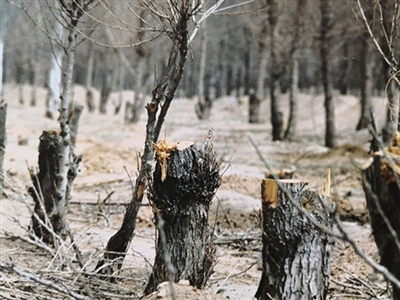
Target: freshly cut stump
44, 190
185, 181
381, 187
296, 254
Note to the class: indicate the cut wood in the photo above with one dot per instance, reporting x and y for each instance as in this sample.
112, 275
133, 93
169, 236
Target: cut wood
184, 183
382, 193
296, 254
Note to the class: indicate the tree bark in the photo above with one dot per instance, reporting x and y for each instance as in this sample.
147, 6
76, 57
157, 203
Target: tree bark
3, 141
276, 114
183, 186
294, 72
330, 134
296, 254
366, 66
382, 193
45, 189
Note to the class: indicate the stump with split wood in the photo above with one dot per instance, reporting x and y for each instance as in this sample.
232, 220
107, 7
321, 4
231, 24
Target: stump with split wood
295, 252
185, 181
381, 180
48, 214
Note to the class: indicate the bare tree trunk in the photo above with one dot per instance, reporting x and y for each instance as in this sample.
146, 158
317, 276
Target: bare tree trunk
294, 72
344, 68
182, 190
48, 205
54, 79
276, 114
105, 91
392, 106
204, 104
330, 135
382, 193
254, 108
3, 141
221, 81
247, 58
296, 254
366, 66
89, 79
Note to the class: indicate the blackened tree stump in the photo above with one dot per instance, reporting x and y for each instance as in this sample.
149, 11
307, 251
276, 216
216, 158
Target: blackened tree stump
296, 254
185, 181
44, 190
382, 193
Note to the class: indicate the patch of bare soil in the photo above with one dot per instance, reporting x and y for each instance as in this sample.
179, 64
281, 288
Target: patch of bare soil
31, 270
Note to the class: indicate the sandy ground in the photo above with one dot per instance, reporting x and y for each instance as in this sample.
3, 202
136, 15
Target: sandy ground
110, 148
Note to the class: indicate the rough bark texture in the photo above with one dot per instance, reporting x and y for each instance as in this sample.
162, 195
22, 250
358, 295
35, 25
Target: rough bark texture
326, 15
296, 253
182, 202
3, 141
382, 194
276, 114
44, 190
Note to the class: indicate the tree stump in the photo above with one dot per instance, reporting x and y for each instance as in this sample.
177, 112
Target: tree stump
185, 181
3, 141
381, 187
295, 252
44, 190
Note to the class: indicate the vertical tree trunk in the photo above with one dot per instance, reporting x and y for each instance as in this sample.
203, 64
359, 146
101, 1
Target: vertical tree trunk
3, 141
262, 61
330, 135
382, 193
276, 114
105, 91
45, 192
296, 254
392, 106
294, 71
54, 79
247, 58
184, 184
74, 123
203, 106
221, 78
366, 66
344, 67
254, 108
89, 79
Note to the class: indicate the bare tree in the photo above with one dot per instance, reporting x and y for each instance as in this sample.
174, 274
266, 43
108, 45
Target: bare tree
57, 163
276, 114
325, 26
294, 69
